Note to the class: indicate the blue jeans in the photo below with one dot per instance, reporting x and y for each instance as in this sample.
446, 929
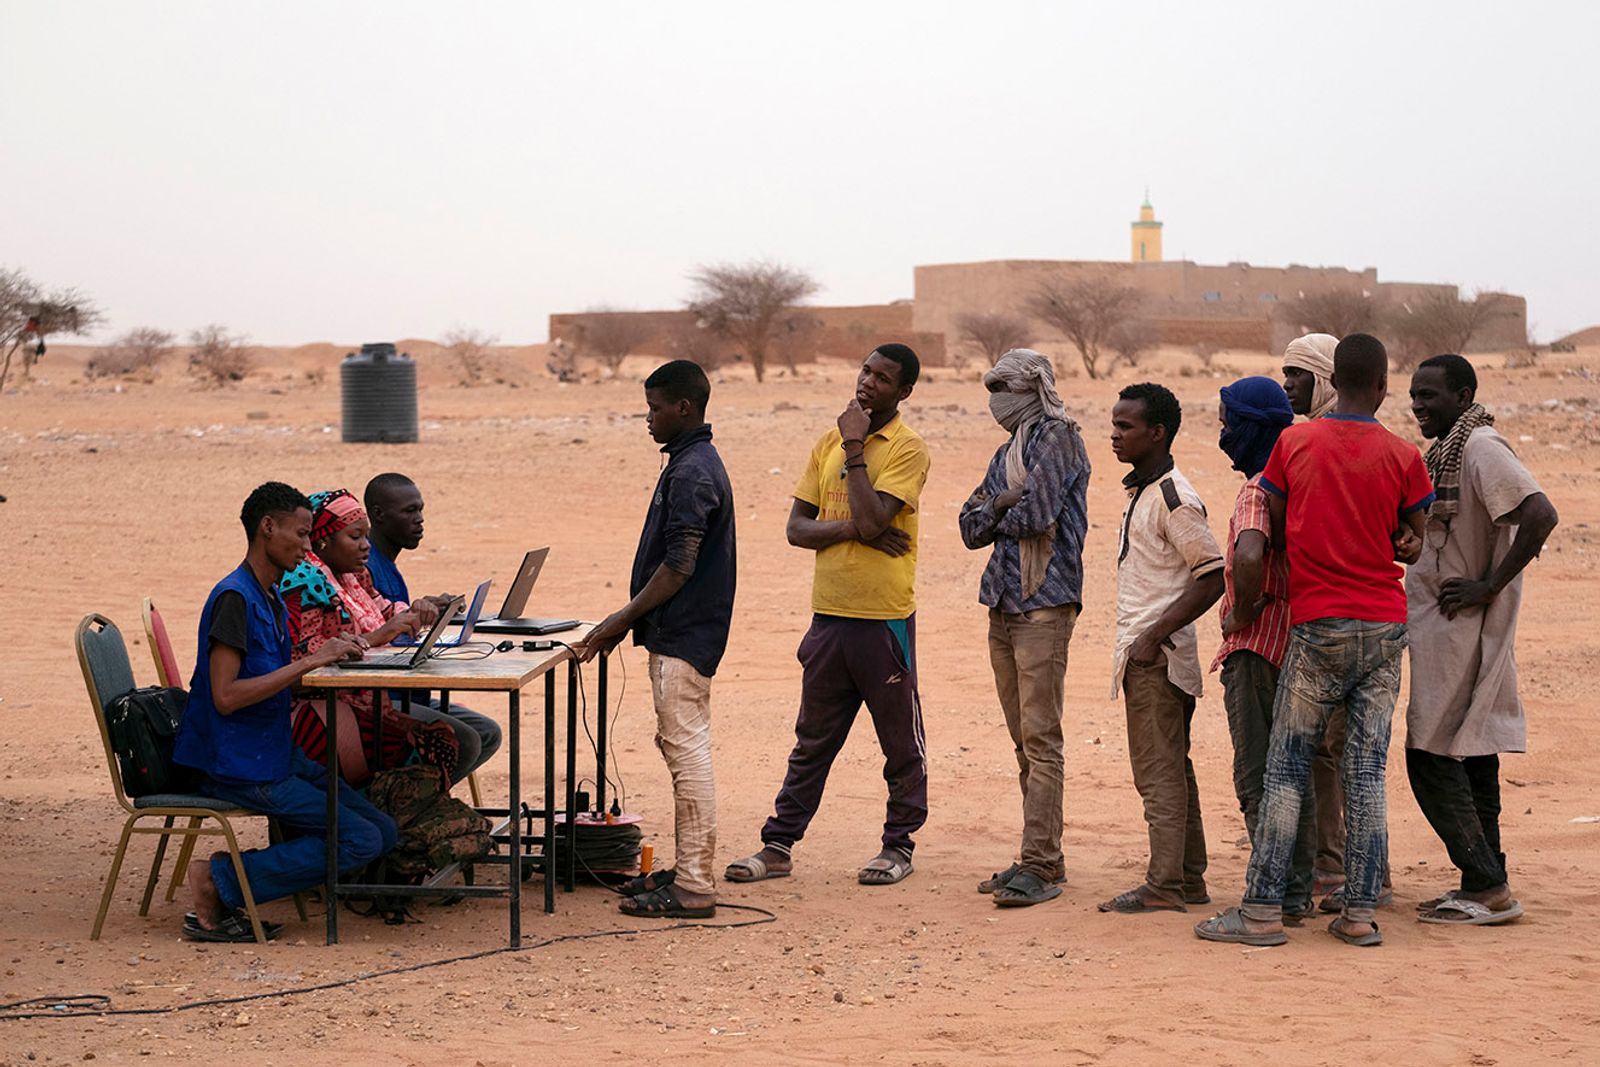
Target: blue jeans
1332, 663
300, 803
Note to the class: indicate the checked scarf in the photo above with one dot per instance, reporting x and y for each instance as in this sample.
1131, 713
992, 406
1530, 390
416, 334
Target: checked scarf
1444, 462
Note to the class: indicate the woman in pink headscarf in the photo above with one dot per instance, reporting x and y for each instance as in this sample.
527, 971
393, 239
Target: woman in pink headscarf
331, 593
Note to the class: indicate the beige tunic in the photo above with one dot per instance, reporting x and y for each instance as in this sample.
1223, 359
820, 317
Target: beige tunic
1463, 671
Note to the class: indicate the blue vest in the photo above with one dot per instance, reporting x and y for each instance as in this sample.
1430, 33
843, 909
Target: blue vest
254, 744
386, 577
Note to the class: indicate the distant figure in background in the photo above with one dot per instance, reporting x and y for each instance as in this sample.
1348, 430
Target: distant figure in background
1169, 573
682, 589
394, 508
1489, 521
1255, 615
1032, 508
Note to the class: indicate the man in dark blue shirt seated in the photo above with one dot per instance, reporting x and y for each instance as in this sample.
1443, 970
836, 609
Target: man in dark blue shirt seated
682, 589
236, 731
394, 507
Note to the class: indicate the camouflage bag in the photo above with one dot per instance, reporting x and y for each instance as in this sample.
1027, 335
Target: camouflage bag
436, 830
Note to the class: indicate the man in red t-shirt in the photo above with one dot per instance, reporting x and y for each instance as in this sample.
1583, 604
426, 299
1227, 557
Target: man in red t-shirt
1348, 501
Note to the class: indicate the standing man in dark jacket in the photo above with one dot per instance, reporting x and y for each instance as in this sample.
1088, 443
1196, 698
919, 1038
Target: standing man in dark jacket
682, 589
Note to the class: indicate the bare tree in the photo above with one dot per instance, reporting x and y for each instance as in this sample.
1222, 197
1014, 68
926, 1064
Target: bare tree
742, 302
1338, 310
795, 337
218, 357
1438, 322
611, 336
697, 343
1087, 310
469, 347
1205, 352
1132, 340
29, 312
138, 351
993, 333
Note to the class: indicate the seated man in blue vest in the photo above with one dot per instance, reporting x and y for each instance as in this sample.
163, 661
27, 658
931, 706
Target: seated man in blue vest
236, 730
394, 507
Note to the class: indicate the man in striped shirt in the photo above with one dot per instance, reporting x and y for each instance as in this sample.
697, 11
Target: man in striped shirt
1255, 615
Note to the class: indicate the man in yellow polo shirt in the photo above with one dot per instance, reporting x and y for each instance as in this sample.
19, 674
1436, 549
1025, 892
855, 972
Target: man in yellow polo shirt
856, 507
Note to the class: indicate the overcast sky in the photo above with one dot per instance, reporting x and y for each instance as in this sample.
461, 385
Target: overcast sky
363, 171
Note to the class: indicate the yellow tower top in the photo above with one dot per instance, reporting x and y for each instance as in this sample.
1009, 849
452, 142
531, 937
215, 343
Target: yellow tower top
1146, 234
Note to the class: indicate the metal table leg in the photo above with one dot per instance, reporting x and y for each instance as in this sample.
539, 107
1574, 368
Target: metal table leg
570, 874
514, 728
331, 842
549, 791
600, 734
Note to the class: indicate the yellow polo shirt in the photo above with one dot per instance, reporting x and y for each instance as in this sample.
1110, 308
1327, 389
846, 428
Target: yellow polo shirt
851, 579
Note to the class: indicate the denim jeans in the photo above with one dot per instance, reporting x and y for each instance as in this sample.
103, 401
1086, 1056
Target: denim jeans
1332, 663
300, 802
1249, 693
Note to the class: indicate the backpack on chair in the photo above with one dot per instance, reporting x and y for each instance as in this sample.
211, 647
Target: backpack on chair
143, 724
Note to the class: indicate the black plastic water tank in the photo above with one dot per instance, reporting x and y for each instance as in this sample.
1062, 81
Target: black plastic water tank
378, 395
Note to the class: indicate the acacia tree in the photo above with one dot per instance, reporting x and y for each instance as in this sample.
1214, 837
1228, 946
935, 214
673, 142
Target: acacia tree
218, 356
469, 347
795, 337
138, 350
1338, 310
1132, 340
698, 344
742, 302
1439, 321
1087, 310
611, 336
29, 312
993, 333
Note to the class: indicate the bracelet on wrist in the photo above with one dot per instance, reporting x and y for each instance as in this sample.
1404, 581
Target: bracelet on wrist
852, 441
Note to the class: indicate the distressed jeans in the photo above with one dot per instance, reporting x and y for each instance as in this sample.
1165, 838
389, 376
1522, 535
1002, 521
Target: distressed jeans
683, 734
1331, 664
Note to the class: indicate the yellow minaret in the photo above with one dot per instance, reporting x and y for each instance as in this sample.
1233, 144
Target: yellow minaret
1147, 234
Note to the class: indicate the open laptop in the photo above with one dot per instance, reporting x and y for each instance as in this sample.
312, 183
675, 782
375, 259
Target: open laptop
510, 619
405, 661
466, 623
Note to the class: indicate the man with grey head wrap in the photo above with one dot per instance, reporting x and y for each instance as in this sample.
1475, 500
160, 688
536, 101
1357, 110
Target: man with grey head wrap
1031, 510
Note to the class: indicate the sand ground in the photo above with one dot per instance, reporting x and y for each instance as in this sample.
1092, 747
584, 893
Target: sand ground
121, 491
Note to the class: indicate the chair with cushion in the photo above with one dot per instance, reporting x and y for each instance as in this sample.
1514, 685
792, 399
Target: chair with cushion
107, 674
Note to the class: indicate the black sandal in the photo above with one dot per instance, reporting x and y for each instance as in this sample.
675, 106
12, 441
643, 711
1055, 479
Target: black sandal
663, 903
1025, 888
647, 883
234, 930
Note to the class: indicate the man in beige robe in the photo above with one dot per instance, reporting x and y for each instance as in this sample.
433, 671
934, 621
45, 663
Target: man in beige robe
1489, 520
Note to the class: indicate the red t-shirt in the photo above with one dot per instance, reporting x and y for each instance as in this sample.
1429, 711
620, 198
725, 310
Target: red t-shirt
1346, 482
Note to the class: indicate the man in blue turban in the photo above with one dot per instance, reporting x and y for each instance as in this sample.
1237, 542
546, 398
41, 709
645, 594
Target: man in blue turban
1255, 615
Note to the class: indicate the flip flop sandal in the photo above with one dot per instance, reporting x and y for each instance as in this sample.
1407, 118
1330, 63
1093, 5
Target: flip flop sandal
1229, 927
1201, 897
881, 870
1367, 940
1134, 902
645, 883
663, 903
268, 927
751, 869
234, 930
1024, 889
1433, 902
1459, 911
